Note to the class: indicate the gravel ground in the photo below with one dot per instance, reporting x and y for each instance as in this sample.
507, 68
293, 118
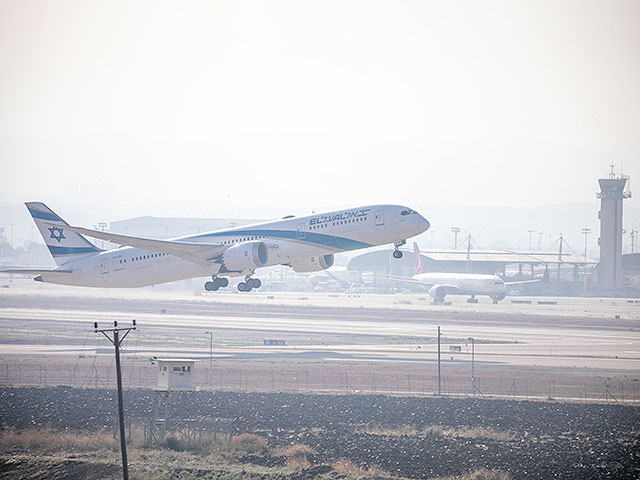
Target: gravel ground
405, 436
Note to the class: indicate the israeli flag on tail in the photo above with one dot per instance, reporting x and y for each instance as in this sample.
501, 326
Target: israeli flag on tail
63, 244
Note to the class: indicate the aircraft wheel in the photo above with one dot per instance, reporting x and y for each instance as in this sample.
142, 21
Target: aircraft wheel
211, 286
254, 282
397, 254
244, 287
224, 282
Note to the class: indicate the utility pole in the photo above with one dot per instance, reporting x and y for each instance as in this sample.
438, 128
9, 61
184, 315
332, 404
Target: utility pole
530, 233
473, 365
117, 342
210, 357
439, 389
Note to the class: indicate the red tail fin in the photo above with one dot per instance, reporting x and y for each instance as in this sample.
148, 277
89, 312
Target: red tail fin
419, 264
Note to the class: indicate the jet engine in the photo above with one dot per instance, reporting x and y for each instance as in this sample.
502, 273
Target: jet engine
500, 296
313, 264
245, 256
437, 292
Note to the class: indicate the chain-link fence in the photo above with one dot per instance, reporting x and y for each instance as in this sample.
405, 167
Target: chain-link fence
334, 377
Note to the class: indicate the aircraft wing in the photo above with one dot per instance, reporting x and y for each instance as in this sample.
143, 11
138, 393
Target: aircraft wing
406, 280
35, 271
518, 282
201, 253
449, 287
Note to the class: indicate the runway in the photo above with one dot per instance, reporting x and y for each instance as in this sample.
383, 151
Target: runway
576, 333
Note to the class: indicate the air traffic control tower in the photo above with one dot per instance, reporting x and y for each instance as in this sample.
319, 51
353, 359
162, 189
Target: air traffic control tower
611, 195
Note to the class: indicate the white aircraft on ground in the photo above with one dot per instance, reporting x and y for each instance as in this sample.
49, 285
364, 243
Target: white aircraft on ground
441, 284
306, 244
336, 277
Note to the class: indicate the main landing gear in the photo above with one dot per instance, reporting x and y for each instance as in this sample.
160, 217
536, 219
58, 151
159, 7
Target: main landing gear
249, 284
218, 282
398, 243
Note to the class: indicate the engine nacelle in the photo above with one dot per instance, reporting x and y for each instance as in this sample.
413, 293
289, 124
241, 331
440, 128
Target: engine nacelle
313, 264
245, 256
437, 292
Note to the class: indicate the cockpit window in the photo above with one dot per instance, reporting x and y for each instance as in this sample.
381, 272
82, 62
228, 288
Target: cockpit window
408, 212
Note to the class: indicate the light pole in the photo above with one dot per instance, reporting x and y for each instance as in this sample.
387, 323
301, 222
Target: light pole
439, 384
585, 232
473, 365
530, 233
210, 357
455, 231
102, 226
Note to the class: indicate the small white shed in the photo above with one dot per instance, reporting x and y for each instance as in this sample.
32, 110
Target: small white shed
176, 374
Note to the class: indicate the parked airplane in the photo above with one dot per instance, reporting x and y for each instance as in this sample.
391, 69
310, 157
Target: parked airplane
306, 244
441, 284
336, 278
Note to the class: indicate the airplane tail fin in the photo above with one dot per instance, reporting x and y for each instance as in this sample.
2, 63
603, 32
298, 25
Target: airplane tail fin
420, 268
64, 245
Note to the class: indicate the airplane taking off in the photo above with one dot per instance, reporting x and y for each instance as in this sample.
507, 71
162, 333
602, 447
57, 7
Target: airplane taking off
306, 244
441, 284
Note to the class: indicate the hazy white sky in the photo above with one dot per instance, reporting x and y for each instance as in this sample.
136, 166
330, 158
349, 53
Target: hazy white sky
310, 105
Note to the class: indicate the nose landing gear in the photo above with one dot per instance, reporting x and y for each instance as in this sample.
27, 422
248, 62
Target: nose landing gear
217, 283
398, 243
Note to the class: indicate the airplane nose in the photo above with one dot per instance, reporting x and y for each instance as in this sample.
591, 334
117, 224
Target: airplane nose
424, 224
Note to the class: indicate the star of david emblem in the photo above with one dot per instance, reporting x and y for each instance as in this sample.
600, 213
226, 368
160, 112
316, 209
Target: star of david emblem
56, 233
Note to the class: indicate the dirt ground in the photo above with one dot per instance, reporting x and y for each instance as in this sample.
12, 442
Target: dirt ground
377, 435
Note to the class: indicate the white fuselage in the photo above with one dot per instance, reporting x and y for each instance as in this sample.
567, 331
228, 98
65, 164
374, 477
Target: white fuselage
287, 241
464, 283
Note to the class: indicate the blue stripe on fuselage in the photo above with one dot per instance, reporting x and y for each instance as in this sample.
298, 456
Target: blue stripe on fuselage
340, 243
63, 251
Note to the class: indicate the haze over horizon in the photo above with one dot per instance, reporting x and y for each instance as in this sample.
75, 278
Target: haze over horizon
257, 110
